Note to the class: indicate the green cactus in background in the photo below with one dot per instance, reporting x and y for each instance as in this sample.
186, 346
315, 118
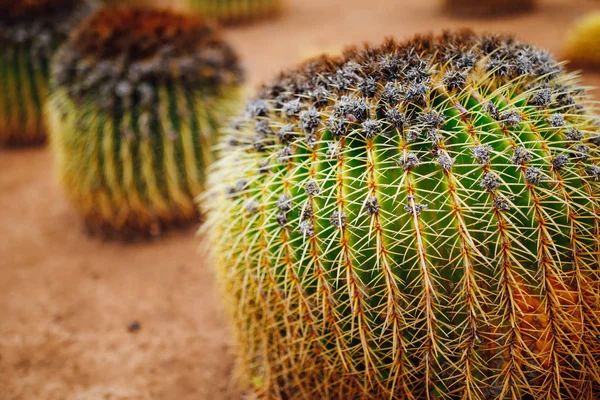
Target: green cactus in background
30, 32
136, 99
234, 11
136, 3
487, 8
582, 46
414, 221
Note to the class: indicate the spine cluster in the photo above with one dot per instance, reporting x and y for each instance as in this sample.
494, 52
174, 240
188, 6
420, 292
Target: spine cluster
30, 32
137, 96
415, 220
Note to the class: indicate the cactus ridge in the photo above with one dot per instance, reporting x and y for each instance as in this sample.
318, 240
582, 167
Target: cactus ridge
30, 32
137, 96
581, 46
234, 11
414, 220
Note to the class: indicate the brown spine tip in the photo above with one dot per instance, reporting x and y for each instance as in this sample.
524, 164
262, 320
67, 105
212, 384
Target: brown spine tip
139, 33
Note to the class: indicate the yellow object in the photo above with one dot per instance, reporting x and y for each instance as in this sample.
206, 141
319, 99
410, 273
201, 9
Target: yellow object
582, 46
487, 8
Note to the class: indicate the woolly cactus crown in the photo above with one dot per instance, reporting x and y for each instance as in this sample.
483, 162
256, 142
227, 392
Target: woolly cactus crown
30, 9
120, 48
414, 220
39, 22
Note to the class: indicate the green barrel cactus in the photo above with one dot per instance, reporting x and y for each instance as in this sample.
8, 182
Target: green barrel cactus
30, 32
416, 220
136, 99
136, 3
488, 8
234, 11
582, 46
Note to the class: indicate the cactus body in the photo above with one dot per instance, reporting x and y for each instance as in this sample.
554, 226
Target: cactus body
30, 32
136, 3
414, 221
136, 99
233, 11
487, 8
582, 46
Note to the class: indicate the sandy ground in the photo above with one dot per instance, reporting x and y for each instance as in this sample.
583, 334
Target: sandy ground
69, 304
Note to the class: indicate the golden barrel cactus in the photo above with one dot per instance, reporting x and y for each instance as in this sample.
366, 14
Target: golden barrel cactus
235, 11
30, 32
414, 220
136, 98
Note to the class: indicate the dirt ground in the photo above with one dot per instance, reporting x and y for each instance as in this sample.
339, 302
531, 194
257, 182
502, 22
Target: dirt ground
69, 304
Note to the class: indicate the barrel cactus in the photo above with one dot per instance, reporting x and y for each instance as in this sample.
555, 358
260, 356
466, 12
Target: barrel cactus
30, 32
582, 46
136, 98
416, 220
233, 11
137, 3
487, 8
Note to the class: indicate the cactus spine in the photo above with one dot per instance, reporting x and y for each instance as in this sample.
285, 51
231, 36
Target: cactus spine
136, 99
487, 8
30, 32
233, 11
414, 221
582, 47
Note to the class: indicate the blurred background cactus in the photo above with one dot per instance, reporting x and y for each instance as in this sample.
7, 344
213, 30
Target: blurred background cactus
582, 46
235, 11
137, 3
30, 32
487, 8
136, 99
414, 221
